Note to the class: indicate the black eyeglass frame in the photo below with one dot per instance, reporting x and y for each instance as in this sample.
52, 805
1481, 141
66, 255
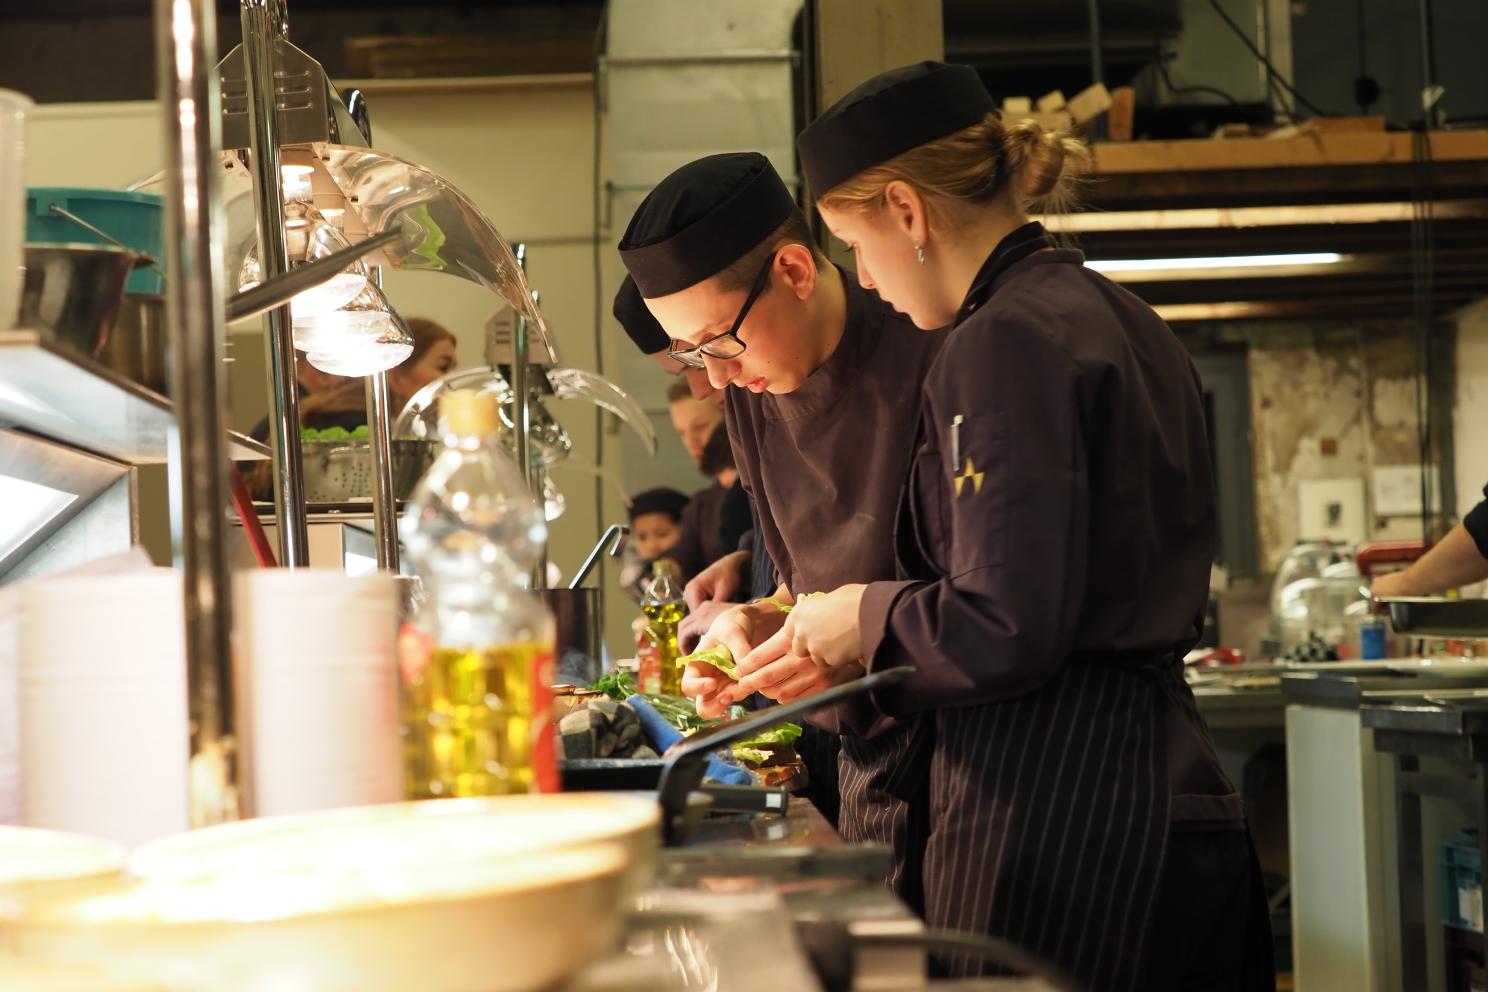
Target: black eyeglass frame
693, 357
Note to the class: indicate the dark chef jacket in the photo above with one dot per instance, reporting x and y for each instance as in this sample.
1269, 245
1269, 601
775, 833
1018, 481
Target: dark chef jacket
1057, 543
826, 466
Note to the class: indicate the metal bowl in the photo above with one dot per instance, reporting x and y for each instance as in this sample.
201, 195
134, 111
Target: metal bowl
137, 346
341, 471
73, 292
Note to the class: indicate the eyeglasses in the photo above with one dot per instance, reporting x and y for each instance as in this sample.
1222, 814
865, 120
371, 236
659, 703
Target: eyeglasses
727, 345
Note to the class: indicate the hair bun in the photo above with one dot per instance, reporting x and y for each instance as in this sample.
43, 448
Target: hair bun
1044, 165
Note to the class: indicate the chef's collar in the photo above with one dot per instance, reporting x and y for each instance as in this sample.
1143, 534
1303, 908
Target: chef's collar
888, 115
701, 219
634, 316
1013, 248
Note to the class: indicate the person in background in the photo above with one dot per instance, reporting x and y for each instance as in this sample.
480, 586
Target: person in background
694, 418
1459, 559
655, 526
345, 405
338, 401
703, 533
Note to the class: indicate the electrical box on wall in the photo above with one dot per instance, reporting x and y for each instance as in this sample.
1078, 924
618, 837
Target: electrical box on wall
1397, 490
1332, 510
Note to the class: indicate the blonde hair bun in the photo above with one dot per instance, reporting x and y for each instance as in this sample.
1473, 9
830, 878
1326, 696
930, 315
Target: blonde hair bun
1045, 165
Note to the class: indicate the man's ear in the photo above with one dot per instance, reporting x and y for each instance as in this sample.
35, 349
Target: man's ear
796, 266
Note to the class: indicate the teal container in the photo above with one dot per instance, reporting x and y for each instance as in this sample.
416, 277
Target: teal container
134, 219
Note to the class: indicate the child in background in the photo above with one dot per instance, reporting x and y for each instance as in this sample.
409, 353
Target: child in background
655, 525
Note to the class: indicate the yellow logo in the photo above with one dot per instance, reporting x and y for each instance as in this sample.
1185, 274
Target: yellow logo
972, 474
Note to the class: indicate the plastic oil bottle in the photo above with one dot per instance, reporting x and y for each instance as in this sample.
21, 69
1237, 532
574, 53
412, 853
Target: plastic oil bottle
664, 609
477, 660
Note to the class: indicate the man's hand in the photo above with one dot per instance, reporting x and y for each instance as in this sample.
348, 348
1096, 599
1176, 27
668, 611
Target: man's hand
695, 625
738, 628
720, 581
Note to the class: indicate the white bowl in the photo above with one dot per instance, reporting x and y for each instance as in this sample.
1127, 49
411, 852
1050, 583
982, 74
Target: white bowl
548, 915
29, 856
507, 894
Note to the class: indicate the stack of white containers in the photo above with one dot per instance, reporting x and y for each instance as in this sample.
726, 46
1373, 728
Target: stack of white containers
94, 730
318, 675
104, 739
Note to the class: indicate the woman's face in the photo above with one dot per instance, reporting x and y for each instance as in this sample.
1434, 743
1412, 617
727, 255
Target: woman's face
780, 351
409, 378
887, 263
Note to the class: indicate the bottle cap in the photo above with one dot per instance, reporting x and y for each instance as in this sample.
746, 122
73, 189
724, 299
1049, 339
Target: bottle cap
470, 412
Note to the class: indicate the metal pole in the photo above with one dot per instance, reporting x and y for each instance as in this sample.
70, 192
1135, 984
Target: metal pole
522, 406
1097, 59
1430, 101
384, 504
263, 22
185, 42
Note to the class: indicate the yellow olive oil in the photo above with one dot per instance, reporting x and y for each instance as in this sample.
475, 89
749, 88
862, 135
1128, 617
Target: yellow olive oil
478, 722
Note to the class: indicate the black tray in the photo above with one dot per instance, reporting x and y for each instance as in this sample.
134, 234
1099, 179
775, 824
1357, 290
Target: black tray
1434, 617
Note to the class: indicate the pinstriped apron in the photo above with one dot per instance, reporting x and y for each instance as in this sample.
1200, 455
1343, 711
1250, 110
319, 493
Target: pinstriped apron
1050, 818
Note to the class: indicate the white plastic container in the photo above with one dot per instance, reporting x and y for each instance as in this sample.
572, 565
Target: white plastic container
13, 109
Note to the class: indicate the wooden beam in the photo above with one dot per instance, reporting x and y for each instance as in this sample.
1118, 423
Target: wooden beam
1306, 151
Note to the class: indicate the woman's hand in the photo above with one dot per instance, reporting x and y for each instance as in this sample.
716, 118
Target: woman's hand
817, 647
739, 629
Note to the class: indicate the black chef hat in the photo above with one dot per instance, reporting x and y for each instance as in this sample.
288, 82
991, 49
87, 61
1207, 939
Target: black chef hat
630, 310
668, 501
887, 116
701, 219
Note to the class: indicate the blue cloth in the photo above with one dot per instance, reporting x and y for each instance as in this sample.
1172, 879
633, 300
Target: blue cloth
663, 735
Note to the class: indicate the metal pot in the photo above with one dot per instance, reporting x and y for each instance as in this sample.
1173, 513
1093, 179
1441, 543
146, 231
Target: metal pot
579, 618
73, 292
137, 347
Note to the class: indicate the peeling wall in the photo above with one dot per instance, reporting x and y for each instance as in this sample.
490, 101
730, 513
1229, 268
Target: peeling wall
1329, 404
1470, 406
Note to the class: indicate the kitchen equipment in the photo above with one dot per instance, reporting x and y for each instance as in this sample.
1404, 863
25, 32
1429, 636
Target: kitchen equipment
139, 345
101, 217
686, 764
341, 471
578, 618
448, 894
13, 109
73, 292
620, 533
1430, 616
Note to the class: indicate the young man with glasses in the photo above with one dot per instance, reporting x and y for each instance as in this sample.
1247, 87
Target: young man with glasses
822, 417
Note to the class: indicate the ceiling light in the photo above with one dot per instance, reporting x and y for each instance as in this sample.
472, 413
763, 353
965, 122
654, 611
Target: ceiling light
1215, 262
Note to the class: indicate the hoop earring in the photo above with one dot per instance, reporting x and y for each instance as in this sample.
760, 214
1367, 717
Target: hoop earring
919, 253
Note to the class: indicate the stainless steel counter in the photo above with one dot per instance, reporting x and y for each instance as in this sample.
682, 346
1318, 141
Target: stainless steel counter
723, 915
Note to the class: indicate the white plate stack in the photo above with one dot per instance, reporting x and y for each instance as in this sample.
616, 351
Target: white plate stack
317, 672
103, 726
